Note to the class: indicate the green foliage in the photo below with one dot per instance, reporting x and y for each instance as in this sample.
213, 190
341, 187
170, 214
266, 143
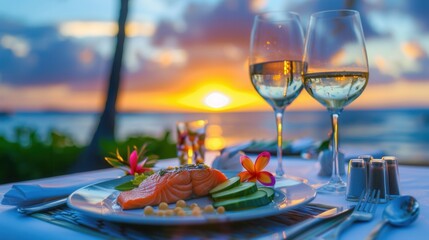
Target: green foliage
162, 147
28, 156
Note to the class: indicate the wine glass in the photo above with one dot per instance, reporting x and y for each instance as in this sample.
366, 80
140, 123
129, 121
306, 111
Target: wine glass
275, 65
335, 71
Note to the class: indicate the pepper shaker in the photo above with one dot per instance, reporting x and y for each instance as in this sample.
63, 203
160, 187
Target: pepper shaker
367, 159
392, 176
378, 178
356, 179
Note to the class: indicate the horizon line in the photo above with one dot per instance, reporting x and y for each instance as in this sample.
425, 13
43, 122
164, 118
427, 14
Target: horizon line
9, 112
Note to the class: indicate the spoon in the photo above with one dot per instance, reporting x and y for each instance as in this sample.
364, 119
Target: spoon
400, 212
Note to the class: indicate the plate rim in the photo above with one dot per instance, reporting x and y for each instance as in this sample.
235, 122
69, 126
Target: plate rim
227, 217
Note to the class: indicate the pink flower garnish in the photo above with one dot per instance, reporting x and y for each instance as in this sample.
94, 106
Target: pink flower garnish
136, 161
254, 171
136, 167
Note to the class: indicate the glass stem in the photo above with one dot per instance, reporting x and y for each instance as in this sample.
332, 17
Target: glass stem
279, 123
335, 163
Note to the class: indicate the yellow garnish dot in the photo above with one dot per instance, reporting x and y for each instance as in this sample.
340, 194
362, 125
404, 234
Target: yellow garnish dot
163, 206
148, 210
209, 209
220, 210
181, 203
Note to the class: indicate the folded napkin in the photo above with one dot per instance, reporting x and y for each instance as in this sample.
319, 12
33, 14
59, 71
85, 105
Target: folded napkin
29, 194
293, 147
229, 158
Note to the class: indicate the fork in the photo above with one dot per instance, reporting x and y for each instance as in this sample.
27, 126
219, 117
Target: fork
364, 211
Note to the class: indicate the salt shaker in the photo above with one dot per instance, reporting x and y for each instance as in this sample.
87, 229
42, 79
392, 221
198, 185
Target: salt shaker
392, 176
378, 178
356, 179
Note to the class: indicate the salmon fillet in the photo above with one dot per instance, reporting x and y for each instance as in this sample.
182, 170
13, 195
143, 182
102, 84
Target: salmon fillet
171, 185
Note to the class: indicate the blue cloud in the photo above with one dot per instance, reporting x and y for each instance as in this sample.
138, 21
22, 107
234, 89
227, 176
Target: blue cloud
50, 59
422, 74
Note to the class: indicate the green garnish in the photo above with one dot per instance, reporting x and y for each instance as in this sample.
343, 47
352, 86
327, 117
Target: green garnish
135, 182
138, 178
162, 172
127, 186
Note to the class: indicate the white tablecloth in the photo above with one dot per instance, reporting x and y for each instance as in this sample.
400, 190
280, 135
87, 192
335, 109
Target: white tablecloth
413, 181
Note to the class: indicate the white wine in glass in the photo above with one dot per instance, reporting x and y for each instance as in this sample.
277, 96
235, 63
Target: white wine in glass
335, 90
275, 66
279, 82
335, 71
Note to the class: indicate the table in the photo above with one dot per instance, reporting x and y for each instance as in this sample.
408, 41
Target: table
413, 181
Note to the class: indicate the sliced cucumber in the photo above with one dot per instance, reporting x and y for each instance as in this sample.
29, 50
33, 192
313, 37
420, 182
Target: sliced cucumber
242, 189
256, 199
228, 184
270, 192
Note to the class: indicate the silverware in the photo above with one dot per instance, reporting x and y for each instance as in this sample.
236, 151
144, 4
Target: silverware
400, 212
42, 206
329, 218
364, 211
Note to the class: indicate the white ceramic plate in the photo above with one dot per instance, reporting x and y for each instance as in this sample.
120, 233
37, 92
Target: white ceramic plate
99, 201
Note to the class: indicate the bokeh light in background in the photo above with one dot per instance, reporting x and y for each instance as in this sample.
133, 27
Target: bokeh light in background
55, 55
215, 140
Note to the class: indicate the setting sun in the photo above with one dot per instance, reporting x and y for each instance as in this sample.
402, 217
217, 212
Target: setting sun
217, 100
217, 97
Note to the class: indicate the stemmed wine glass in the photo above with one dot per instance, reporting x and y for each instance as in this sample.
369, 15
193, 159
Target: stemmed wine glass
275, 65
335, 71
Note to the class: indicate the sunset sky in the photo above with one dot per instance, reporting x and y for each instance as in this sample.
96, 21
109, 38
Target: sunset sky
188, 55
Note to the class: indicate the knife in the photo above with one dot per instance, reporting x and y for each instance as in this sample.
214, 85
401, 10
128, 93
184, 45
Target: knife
317, 225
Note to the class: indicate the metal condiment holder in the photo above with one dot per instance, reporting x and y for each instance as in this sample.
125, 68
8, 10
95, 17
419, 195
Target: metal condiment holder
392, 176
378, 178
356, 179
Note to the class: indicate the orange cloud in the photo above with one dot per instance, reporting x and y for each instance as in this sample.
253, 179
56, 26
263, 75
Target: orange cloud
82, 29
412, 50
51, 97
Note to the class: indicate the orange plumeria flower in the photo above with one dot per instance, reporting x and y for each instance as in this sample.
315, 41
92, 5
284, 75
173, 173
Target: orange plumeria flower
254, 171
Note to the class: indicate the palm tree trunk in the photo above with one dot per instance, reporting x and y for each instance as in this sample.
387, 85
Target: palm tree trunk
92, 157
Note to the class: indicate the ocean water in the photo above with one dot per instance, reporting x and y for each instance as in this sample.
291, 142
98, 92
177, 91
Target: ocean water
403, 133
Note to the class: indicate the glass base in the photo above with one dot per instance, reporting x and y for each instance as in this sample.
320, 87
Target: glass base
338, 187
